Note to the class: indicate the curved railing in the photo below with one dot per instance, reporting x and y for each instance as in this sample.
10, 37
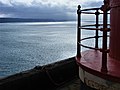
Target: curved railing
104, 29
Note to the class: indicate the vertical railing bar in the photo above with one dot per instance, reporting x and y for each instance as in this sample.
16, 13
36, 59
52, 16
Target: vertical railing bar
79, 32
104, 46
97, 25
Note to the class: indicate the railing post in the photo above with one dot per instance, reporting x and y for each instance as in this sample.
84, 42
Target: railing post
78, 32
97, 25
105, 9
104, 53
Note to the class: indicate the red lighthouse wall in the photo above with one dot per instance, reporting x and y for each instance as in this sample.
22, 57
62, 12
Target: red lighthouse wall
115, 29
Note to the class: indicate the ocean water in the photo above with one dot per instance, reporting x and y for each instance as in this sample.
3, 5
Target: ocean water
26, 45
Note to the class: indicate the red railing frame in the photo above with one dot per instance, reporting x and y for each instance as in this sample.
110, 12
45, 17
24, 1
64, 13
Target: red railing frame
105, 29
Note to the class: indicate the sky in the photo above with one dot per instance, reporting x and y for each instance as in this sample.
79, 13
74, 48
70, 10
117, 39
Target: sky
44, 9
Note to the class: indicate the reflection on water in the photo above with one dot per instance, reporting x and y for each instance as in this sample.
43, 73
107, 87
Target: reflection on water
25, 45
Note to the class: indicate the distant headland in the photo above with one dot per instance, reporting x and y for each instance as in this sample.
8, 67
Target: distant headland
8, 20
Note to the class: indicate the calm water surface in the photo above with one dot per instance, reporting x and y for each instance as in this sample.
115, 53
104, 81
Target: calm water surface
26, 45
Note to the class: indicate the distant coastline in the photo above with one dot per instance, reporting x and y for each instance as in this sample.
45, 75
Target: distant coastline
14, 20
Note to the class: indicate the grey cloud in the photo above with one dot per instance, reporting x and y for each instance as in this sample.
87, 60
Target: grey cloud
44, 11
41, 11
93, 4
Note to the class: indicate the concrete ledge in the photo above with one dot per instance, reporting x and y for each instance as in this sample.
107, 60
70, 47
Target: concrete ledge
44, 77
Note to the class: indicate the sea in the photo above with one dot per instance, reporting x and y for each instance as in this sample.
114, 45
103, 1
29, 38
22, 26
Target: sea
26, 45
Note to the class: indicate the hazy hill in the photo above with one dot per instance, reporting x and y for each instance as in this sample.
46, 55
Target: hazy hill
6, 20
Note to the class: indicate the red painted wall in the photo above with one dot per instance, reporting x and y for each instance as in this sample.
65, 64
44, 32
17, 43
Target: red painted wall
115, 29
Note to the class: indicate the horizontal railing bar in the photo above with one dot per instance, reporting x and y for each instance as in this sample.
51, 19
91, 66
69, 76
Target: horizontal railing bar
87, 12
88, 25
90, 9
93, 25
90, 38
89, 47
90, 28
102, 24
90, 13
101, 50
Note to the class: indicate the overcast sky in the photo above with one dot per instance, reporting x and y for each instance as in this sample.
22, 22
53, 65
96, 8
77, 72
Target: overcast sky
45, 9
